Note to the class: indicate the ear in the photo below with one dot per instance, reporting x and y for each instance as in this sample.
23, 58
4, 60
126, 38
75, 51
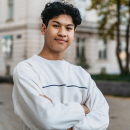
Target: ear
74, 31
43, 28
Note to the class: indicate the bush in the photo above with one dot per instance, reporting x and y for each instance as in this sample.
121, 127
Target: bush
108, 77
6, 79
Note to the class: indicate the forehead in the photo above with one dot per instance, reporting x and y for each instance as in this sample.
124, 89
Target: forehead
63, 19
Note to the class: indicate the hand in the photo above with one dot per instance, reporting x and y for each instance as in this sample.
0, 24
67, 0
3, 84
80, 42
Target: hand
86, 110
45, 97
70, 128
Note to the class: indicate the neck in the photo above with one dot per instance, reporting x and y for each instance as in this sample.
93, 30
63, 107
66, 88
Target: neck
51, 55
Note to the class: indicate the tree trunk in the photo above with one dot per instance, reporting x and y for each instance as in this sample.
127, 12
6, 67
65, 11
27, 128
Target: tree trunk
118, 37
127, 43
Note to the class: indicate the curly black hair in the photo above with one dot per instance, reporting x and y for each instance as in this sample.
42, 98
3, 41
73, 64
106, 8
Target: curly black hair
57, 8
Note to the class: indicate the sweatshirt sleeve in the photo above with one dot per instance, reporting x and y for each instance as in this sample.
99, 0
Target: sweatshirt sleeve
98, 117
37, 112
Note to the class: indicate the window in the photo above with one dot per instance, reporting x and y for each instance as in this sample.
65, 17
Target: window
7, 46
10, 9
122, 53
102, 49
103, 70
7, 72
80, 47
81, 4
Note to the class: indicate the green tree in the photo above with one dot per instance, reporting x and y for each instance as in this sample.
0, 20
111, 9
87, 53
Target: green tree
113, 13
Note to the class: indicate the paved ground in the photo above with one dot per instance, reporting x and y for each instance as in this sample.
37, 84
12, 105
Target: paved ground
119, 111
8, 120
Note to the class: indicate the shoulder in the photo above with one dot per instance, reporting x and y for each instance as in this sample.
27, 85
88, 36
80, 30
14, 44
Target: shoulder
24, 68
22, 65
28, 63
80, 70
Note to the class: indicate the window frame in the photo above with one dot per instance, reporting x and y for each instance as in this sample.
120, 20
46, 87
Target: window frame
80, 43
8, 55
10, 9
102, 54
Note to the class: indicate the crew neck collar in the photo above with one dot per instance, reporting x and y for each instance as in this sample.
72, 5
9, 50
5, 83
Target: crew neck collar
41, 58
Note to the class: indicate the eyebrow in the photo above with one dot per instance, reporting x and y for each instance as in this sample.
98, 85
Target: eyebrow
67, 24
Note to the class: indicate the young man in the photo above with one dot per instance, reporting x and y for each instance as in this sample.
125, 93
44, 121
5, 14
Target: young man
51, 94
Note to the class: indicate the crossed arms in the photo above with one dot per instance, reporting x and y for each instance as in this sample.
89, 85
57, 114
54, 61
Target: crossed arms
86, 110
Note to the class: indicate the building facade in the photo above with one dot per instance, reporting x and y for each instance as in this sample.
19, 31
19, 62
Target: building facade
20, 37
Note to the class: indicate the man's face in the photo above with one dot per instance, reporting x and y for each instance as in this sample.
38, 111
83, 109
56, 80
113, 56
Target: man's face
59, 33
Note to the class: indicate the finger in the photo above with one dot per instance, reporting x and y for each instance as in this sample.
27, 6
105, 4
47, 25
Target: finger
41, 95
45, 97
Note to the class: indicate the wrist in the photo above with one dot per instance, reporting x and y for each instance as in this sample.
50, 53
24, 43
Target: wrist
86, 110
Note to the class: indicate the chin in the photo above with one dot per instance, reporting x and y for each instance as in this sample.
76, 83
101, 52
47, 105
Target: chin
59, 49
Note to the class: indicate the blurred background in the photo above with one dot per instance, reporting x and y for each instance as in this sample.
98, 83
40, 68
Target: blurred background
100, 46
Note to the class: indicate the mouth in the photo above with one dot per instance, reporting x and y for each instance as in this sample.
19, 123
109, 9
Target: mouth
61, 40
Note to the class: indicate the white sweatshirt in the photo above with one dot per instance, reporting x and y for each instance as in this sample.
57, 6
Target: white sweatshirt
67, 86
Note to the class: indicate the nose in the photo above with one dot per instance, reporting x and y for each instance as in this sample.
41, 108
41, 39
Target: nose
62, 32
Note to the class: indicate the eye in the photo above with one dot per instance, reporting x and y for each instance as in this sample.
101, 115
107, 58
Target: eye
56, 26
69, 28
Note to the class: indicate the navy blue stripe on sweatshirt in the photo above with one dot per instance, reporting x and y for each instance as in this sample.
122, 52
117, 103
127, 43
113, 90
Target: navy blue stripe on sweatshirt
76, 86
64, 85
54, 85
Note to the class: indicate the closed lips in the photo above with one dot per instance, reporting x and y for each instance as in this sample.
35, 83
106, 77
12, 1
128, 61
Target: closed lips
61, 40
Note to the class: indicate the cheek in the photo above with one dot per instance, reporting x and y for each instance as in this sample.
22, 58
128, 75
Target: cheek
52, 32
49, 36
71, 36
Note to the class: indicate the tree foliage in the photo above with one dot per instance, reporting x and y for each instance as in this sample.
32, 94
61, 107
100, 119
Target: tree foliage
112, 14
107, 12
